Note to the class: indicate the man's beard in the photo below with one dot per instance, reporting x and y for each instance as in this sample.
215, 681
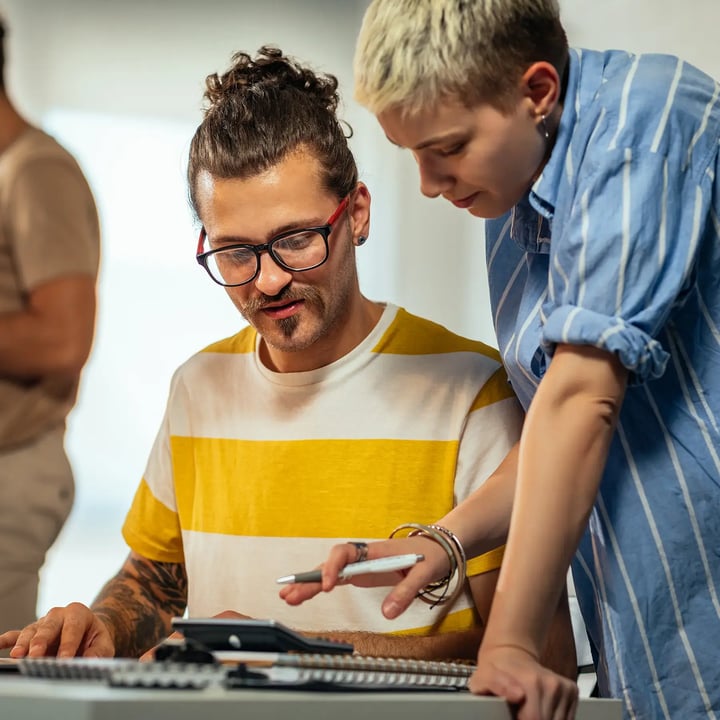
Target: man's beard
288, 294
288, 325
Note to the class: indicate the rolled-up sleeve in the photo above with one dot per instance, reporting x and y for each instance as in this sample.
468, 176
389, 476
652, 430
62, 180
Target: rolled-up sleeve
624, 257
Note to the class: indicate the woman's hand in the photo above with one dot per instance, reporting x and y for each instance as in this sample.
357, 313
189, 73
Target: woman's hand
406, 583
535, 692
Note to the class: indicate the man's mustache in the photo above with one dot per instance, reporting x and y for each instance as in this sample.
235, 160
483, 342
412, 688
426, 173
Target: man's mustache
286, 296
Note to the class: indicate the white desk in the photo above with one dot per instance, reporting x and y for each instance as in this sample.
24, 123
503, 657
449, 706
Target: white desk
24, 698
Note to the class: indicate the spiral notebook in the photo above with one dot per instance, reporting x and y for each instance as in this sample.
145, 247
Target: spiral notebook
243, 670
357, 671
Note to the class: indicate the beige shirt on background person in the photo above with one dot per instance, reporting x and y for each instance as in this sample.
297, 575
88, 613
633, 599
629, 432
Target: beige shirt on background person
43, 235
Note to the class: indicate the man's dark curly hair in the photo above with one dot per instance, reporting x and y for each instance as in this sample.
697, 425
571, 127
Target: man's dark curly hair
261, 110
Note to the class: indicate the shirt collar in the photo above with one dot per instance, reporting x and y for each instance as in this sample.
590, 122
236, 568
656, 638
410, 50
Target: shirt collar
544, 191
527, 229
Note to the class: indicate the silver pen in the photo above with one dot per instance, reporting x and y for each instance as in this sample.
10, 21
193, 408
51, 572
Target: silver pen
379, 565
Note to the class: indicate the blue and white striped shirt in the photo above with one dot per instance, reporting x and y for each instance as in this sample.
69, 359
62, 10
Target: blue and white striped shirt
617, 245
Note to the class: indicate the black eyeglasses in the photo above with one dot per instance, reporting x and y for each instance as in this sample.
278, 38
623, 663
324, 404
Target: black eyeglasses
294, 250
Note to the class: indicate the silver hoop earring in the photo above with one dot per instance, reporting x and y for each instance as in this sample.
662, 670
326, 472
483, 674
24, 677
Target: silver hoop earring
544, 127
361, 240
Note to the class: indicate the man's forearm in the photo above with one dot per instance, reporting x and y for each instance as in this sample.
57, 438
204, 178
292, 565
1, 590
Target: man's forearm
445, 646
138, 604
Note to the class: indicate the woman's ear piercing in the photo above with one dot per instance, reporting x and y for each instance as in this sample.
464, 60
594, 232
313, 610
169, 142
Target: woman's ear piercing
361, 240
544, 127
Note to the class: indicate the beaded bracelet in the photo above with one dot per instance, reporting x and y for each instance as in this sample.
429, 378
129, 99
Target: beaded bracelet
436, 592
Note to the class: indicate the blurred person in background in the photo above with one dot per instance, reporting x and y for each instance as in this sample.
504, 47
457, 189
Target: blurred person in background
49, 254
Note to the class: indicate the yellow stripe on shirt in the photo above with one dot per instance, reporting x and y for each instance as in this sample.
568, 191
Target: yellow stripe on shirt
242, 343
148, 511
485, 563
453, 622
310, 488
497, 388
411, 335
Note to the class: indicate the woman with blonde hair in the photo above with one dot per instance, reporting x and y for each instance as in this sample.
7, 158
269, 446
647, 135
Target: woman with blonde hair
598, 174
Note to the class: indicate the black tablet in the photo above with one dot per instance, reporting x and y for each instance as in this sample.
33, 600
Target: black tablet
255, 636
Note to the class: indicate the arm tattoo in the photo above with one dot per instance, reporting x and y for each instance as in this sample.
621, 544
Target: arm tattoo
139, 602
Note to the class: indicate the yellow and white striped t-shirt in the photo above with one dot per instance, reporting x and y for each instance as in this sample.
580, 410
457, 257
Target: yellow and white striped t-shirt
255, 474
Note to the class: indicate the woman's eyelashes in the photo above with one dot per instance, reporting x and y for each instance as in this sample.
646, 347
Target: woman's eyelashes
455, 149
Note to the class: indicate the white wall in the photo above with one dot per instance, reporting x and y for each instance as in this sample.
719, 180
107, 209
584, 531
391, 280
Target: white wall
120, 83
687, 29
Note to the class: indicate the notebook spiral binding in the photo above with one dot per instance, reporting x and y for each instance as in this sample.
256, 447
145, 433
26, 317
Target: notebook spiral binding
371, 671
126, 673
287, 670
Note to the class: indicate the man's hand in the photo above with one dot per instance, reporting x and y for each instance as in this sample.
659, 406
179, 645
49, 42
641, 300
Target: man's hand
535, 692
228, 614
64, 632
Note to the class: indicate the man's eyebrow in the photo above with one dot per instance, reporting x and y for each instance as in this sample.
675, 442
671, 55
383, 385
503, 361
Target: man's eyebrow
274, 232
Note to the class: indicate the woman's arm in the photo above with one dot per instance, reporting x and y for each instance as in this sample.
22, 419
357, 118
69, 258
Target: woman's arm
563, 451
559, 653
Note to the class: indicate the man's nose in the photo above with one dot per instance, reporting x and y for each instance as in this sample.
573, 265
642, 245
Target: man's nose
271, 278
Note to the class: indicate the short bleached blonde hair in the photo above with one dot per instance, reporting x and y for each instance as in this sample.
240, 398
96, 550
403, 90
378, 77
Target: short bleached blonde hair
413, 53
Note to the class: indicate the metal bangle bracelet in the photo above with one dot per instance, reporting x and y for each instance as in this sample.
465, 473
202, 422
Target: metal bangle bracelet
462, 558
435, 593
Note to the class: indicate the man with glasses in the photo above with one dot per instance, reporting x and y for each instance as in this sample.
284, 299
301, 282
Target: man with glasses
331, 417
294, 250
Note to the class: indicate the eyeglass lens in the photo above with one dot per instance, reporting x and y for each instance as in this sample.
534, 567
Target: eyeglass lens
301, 251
